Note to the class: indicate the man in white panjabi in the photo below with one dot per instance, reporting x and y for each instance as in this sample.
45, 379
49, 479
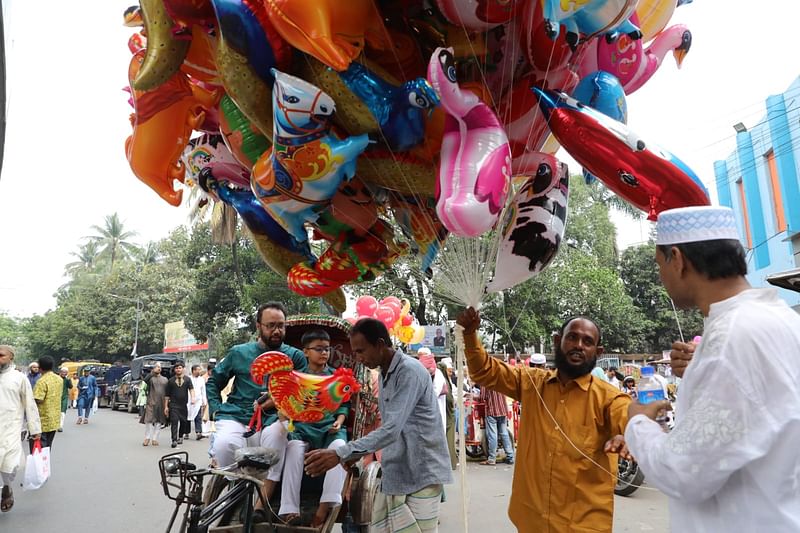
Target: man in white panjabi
16, 403
196, 409
731, 462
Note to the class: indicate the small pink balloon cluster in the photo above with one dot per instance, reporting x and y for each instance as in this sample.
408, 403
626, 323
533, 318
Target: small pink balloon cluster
394, 313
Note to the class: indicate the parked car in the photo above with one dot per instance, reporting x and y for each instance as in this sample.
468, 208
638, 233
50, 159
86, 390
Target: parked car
125, 393
111, 376
142, 364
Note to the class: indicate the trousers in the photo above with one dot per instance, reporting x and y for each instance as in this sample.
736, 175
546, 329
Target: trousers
293, 477
495, 425
179, 426
229, 438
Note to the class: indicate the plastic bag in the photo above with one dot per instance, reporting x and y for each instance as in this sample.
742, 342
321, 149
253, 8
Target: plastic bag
37, 467
94, 405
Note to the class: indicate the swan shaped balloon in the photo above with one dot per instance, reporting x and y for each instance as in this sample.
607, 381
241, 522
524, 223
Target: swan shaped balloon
475, 165
629, 61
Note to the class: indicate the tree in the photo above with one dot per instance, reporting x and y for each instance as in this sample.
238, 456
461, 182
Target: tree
112, 240
583, 279
639, 273
88, 258
148, 254
98, 319
575, 284
231, 281
589, 226
10, 329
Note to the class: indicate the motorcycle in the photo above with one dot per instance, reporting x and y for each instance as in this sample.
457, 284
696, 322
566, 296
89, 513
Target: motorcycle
629, 476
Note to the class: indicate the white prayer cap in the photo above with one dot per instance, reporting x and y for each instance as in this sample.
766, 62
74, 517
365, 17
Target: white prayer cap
424, 351
538, 359
695, 224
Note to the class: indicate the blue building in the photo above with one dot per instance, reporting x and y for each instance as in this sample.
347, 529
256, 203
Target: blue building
760, 182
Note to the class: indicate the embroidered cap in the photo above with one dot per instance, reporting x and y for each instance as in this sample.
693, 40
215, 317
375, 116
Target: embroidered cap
695, 224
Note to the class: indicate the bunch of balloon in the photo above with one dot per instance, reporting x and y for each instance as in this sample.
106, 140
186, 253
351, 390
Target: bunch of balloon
394, 313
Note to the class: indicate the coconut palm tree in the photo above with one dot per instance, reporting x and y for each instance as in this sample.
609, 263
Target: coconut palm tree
112, 239
88, 257
148, 254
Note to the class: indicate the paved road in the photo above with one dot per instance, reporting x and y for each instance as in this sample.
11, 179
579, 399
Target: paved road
104, 480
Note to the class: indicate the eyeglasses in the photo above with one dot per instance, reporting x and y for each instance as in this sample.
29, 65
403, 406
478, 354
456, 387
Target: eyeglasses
320, 349
275, 325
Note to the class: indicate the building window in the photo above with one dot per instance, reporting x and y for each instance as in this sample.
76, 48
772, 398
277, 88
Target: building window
775, 186
745, 216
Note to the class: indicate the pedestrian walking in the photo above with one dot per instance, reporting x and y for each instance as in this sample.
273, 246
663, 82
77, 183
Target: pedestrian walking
87, 386
731, 461
197, 408
179, 394
73, 391
450, 425
415, 460
16, 406
154, 417
496, 411
48, 393
33, 374
65, 392
571, 420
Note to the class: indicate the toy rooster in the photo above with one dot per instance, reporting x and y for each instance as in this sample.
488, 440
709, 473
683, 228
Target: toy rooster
299, 396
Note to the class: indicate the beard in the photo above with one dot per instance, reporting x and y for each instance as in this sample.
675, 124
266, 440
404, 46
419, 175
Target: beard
274, 342
570, 370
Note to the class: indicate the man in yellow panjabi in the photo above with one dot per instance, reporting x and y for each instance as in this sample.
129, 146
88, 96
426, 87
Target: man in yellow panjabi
47, 393
570, 420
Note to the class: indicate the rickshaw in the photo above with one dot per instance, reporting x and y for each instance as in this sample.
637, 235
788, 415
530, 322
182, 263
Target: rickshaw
476, 443
223, 502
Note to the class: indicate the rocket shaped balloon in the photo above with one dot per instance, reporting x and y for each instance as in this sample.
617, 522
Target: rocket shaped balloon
649, 177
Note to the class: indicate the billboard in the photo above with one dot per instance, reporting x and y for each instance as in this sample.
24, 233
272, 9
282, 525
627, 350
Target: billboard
178, 339
436, 340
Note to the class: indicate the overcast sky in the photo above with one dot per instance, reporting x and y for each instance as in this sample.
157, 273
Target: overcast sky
65, 167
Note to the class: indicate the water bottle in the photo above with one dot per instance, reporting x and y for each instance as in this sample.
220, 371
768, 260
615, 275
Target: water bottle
649, 390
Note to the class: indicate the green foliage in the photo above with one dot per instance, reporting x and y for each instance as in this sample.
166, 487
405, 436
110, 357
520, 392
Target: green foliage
231, 282
11, 332
639, 273
589, 227
575, 284
582, 280
112, 240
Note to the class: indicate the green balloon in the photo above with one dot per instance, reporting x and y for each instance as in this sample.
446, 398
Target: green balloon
244, 141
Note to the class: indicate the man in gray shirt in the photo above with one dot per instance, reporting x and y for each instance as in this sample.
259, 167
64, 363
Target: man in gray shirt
415, 460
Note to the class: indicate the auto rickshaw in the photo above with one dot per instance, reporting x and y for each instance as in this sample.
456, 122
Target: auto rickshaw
360, 487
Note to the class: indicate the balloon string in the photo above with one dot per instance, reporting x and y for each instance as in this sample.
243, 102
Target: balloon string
462, 418
677, 320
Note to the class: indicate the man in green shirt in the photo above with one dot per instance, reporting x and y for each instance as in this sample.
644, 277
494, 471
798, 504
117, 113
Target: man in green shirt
232, 416
47, 394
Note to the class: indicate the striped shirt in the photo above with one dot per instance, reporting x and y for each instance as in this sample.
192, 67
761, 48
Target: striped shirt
495, 402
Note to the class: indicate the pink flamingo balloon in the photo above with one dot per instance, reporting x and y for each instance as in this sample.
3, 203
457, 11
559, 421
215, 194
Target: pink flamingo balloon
475, 164
630, 62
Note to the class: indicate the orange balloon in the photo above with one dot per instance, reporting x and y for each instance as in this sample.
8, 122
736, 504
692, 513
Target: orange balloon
333, 31
162, 122
199, 62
